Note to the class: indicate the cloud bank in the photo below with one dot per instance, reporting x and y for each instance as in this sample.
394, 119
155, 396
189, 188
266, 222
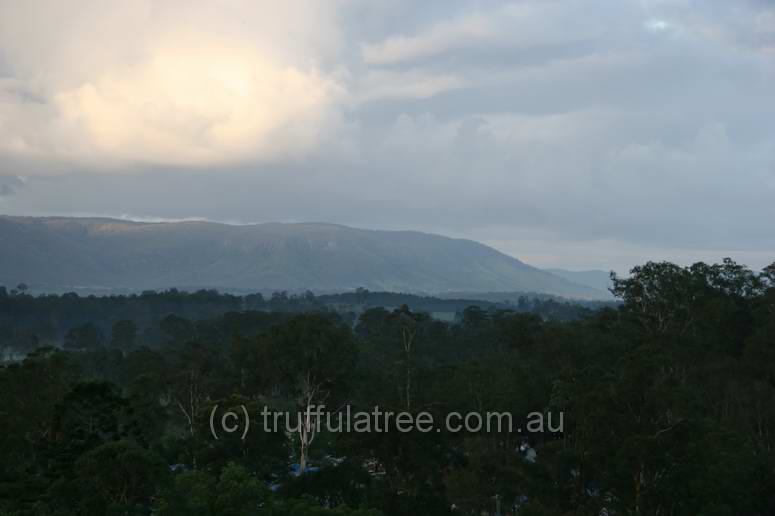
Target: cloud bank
162, 83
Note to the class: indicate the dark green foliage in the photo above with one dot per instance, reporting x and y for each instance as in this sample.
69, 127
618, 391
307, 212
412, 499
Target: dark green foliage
86, 337
118, 478
124, 335
234, 493
668, 403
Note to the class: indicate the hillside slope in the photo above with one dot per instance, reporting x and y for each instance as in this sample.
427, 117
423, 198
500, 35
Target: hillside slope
108, 253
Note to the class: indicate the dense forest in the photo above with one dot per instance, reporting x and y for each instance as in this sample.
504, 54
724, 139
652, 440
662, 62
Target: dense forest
31, 321
667, 397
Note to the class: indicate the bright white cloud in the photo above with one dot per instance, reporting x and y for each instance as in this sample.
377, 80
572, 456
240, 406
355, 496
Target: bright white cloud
197, 104
165, 93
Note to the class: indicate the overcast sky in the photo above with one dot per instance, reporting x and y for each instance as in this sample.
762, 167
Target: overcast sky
571, 133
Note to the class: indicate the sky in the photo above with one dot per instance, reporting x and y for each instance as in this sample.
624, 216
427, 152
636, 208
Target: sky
567, 133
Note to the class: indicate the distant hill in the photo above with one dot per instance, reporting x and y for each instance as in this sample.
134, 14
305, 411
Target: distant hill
58, 252
597, 279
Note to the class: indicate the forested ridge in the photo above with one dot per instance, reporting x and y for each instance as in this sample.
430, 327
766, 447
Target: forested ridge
668, 401
101, 254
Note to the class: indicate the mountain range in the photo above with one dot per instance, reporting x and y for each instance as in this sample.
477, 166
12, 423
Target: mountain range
101, 253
